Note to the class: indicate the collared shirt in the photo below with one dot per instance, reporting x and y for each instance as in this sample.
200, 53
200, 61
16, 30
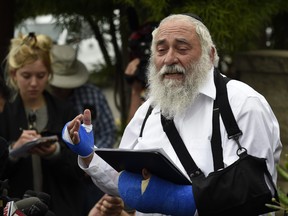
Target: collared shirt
91, 97
252, 112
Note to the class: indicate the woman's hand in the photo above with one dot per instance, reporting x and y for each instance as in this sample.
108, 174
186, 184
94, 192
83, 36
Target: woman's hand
26, 136
44, 150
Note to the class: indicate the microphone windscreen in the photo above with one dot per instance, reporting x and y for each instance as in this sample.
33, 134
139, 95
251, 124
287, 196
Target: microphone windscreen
27, 203
29, 193
44, 197
37, 209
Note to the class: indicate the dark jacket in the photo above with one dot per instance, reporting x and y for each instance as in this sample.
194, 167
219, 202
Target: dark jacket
62, 178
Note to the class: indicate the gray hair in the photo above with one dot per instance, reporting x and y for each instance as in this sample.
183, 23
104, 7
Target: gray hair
201, 30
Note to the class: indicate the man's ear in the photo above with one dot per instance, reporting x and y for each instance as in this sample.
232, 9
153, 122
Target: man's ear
212, 54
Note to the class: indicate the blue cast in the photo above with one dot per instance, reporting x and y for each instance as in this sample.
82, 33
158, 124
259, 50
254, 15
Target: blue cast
160, 195
85, 146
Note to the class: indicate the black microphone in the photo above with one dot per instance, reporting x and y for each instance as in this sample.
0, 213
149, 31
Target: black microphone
44, 197
37, 209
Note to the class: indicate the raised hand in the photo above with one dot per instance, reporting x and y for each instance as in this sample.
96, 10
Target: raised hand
79, 137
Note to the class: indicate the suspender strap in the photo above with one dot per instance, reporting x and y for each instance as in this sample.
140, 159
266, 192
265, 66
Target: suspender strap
216, 144
145, 119
221, 105
179, 147
224, 106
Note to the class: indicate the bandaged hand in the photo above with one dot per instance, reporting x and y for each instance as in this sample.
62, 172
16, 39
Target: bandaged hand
155, 195
79, 137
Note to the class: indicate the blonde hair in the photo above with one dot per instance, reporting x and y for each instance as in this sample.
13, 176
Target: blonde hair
26, 50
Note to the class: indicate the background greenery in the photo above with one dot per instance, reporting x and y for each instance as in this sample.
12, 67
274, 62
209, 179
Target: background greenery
236, 25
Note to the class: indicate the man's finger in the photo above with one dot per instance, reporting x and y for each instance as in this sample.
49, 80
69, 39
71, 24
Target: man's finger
73, 122
87, 117
75, 138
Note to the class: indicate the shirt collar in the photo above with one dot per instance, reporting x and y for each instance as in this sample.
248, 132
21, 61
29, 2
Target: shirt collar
208, 88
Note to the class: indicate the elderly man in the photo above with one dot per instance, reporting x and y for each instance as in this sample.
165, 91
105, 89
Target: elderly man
182, 89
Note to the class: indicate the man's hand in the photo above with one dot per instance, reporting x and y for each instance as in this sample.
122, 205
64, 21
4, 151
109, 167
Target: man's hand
74, 126
108, 206
79, 137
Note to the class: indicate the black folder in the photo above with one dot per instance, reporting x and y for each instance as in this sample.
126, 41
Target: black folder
154, 160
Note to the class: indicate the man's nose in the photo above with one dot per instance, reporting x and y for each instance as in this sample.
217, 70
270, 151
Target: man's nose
171, 58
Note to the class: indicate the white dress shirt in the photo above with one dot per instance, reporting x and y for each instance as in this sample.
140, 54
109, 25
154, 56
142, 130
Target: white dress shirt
252, 112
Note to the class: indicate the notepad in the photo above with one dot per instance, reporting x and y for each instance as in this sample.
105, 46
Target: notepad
23, 150
156, 161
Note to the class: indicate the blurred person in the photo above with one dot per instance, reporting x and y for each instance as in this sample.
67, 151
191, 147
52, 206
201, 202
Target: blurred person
70, 83
135, 72
34, 113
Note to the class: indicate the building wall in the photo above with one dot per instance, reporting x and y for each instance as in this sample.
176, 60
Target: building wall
267, 72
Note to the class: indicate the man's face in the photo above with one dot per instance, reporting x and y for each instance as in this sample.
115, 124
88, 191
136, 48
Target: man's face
177, 68
176, 44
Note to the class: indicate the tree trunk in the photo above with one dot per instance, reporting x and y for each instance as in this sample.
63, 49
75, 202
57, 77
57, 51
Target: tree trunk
100, 39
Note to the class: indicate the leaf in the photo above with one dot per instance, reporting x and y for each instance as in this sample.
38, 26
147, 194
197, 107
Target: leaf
282, 172
283, 197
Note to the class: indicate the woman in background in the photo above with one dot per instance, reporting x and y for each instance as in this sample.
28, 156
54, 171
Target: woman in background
34, 113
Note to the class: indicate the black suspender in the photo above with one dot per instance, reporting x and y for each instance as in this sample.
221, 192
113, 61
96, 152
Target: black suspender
145, 119
221, 106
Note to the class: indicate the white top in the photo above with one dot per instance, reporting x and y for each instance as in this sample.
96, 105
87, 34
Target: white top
252, 112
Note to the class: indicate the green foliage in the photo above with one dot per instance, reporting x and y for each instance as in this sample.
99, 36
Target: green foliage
283, 196
235, 25
148, 10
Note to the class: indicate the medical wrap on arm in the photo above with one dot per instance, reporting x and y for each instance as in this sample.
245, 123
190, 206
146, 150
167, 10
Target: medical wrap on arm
86, 145
160, 196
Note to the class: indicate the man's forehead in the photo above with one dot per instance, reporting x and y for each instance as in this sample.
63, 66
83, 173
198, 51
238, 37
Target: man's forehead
173, 30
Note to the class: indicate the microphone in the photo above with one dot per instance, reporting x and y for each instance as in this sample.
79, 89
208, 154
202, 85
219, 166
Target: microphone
44, 197
11, 210
37, 209
32, 206
29, 193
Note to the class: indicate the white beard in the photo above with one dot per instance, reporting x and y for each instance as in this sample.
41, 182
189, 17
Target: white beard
175, 96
